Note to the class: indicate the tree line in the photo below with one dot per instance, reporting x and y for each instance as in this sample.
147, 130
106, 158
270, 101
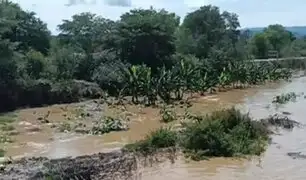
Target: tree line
147, 52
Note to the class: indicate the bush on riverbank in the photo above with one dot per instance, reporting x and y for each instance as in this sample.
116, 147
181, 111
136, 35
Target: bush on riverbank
224, 133
161, 138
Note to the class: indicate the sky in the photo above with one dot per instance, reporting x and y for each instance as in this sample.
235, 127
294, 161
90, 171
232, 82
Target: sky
252, 13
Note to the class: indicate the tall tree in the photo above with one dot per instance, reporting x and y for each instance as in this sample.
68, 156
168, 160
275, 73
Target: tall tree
278, 36
146, 37
207, 27
26, 29
85, 32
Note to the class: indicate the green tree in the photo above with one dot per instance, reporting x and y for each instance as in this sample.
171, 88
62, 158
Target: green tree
207, 27
26, 29
260, 45
146, 37
35, 64
85, 32
278, 36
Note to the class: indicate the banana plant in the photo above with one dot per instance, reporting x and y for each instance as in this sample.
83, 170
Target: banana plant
185, 78
165, 84
224, 78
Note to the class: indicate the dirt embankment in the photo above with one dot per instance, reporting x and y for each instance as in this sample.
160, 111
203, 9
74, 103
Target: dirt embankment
102, 166
109, 166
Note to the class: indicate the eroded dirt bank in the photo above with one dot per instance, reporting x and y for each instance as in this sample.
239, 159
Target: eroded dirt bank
113, 165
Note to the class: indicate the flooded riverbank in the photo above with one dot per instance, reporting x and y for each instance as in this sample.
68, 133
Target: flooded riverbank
274, 164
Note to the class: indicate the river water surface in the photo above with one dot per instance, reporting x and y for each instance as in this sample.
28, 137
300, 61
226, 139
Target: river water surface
274, 163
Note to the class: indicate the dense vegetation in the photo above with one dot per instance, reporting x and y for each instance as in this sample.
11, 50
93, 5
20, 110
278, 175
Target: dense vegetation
225, 133
147, 53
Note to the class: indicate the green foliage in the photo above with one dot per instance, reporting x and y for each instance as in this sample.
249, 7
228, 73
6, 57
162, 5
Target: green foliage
224, 133
35, 64
85, 32
146, 54
161, 138
24, 28
108, 124
146, 37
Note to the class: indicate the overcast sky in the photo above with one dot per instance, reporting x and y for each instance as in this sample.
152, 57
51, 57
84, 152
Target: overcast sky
252, 13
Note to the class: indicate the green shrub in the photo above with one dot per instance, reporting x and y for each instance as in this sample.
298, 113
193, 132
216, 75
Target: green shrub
161, 138
224, 133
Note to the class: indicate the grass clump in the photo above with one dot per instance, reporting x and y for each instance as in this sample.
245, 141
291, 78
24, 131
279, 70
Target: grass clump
284, 98
161, 138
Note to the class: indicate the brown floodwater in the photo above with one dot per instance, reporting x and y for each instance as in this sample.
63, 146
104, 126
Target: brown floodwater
274, 163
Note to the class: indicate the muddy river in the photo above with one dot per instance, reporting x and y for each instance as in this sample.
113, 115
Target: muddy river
274, 164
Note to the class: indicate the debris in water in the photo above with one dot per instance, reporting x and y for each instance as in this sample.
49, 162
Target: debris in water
296, 155
280, 121
286, 113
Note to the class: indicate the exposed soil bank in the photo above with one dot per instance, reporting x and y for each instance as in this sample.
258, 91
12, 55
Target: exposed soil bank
113, 165
107, 166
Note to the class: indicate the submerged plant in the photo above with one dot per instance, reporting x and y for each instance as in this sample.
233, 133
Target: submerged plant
167, 114
108, 124
65, 127
284, 98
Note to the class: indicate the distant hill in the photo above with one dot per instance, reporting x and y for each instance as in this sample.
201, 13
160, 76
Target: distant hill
298, 31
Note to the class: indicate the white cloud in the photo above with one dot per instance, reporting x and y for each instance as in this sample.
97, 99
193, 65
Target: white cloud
251, 13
